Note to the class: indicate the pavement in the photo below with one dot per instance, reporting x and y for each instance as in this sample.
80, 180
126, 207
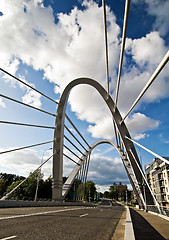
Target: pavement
61, 222
108, 220
146, 226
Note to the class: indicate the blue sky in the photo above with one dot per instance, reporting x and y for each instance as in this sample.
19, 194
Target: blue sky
50, 43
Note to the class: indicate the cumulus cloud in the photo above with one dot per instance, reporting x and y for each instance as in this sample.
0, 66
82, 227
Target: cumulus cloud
138, 123
147, 50
2, 104
106, 170
146, 53
78, 50
25, 161
140, 136
20, 161
72, 46
103, 128
158, 9
32, 98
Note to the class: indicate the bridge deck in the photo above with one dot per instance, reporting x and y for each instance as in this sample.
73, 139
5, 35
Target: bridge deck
76, 221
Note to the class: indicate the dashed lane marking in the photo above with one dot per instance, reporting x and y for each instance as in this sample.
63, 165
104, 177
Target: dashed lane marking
8, 238
84, 215
41, 213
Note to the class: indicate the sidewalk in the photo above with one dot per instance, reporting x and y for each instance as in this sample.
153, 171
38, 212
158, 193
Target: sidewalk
146, 226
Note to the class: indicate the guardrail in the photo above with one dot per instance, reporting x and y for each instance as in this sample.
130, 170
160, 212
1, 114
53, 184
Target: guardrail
155, 209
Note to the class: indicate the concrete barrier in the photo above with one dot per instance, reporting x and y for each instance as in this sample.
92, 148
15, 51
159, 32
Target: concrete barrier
20, 203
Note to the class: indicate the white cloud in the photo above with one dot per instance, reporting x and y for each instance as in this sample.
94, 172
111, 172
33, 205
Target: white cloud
140, 136
103, 128
2, 104
32, 98
147, 50
138, 123
158, 9
23, 162
74, 47
146, 53
105, 170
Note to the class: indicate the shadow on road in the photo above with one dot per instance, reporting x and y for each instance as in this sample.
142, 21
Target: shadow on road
143, 229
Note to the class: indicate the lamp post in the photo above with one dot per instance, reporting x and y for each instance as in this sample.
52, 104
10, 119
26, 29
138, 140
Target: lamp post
36, 193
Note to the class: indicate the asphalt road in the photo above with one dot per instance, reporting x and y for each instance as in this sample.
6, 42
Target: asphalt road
68, 222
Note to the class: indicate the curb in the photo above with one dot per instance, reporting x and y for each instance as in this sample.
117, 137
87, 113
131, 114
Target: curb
129, 232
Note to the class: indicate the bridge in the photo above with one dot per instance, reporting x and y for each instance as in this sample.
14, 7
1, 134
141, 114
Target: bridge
123, 142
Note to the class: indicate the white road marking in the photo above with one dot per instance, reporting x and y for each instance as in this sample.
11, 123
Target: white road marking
84, 215
8, 238
42, 213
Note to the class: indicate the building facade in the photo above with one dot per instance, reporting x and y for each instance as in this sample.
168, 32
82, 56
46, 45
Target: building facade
157, 174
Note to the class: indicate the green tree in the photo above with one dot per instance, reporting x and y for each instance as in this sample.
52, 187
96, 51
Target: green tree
45, 188
31, 184
86, 191
90, 189
27, 189
9, 179
2, 187
106, 194
19, 193
113, 193
75, 192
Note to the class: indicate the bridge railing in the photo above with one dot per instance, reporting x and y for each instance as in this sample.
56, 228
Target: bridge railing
164, 210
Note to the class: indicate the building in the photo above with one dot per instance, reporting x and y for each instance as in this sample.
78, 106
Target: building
157, 174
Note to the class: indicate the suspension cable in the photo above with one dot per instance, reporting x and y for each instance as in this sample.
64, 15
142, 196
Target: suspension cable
73, 153
122, 47
82, 172
70, 159
19, 80
21, 148
75, 138
38, 109
156, 155
106, 47
155, 74
85, 169
77, 130
73, 145
8, 194
26, 124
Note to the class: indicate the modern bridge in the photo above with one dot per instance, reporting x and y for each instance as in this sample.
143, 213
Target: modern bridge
123, 142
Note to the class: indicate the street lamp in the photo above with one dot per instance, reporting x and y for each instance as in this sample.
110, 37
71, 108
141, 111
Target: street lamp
36, 193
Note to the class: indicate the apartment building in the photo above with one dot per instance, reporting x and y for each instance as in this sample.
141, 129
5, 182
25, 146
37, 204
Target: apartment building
157, 174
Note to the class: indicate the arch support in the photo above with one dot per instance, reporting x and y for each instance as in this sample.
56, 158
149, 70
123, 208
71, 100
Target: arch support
125, 161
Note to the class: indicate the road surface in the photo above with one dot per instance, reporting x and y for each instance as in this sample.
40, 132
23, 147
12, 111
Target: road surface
70, 222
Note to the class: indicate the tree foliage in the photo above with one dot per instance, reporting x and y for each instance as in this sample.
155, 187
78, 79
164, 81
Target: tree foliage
26, 191
87, 191
7, 180
118, 192
2, 186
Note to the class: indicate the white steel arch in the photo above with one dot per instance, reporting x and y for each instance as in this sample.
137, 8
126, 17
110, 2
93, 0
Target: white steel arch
129, 170
130, 152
